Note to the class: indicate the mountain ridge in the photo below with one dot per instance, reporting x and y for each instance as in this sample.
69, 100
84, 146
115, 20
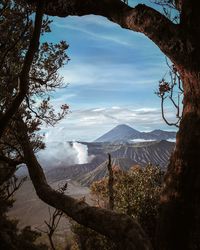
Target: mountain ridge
123, 155
125, 133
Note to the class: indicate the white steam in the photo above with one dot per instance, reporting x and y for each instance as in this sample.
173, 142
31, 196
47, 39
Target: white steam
82, 152
62, 154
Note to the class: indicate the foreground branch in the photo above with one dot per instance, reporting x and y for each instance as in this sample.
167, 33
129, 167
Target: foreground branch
110, 183
8, 167
163, 32
23, 79
120, 228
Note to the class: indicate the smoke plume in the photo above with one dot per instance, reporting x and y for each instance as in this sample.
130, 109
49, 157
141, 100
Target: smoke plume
61, 154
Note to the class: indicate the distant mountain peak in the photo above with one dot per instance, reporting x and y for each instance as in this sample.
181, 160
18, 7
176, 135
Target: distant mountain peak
157, 130
123, 126
125, 133
121, 132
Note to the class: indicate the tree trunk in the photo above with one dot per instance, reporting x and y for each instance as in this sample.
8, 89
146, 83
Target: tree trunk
110, 183
179, 224
120, 228
180, 201
50, 236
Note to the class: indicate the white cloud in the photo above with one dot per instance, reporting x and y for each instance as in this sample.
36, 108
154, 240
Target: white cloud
102, 74
146, 110
105, 77
140, 140
62, 98
60, 153
94, 20
83, 27
116, 107
98, 109
87, 125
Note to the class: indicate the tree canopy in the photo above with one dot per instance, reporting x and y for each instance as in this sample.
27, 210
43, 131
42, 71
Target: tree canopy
179, 218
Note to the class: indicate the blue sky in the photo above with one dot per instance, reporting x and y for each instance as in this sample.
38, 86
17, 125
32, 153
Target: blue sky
112, 75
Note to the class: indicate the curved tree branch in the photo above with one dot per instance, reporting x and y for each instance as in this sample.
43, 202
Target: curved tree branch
119, 227
140, 19
163, 115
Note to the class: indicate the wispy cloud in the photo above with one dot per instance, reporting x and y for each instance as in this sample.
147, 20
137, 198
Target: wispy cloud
88, 124
100, 30
103, 73
113, 73
97, 28
93, 35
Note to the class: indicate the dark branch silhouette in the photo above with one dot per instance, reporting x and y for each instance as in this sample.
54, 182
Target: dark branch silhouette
54, 220
24, 76
110, 183
121, 228
171, 90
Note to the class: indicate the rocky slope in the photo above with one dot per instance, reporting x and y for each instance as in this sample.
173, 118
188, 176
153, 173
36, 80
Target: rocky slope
124, 155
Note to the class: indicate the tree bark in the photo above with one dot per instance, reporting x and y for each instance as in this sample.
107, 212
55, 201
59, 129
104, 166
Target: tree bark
179, 225
120, 228
180, 201
164, 33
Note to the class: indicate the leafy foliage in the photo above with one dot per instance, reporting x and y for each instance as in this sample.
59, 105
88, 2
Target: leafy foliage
136, 193
17, 31
16, 24
86, 238
171, 91
10, 236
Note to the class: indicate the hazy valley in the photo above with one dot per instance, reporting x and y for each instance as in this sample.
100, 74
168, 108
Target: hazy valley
125, 152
